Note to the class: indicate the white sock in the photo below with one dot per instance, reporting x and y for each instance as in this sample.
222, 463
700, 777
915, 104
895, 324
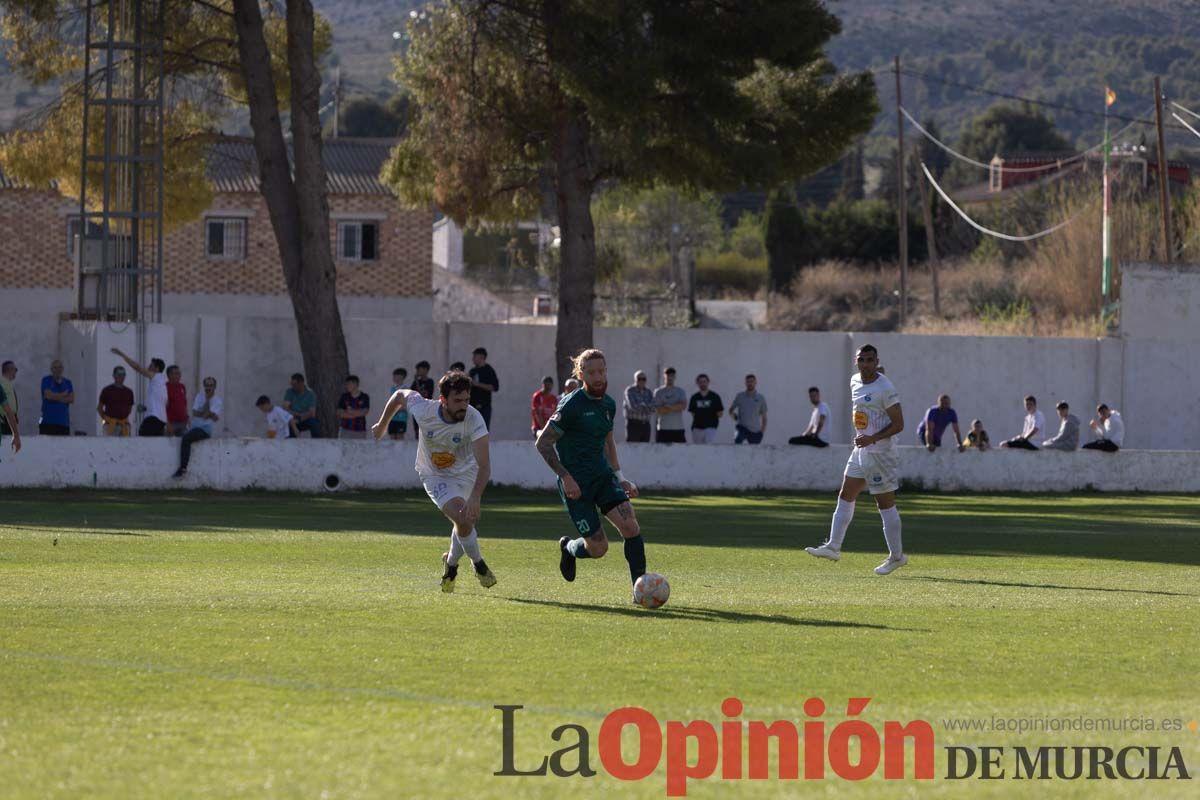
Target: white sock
470, 543
456, 549
891, 531
841, 521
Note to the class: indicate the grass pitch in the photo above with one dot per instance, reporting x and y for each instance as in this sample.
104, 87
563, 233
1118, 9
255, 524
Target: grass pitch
204, 645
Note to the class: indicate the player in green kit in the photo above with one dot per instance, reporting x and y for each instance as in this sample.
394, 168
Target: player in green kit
578, 445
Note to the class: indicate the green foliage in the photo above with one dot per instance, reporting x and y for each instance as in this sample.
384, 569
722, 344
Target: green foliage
784, 238
731, 270
367, 117
1007, 130
635, 226
748, 238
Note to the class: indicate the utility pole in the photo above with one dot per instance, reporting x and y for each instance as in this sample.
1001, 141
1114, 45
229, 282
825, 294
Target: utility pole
901, 204
337, 100
1164, 195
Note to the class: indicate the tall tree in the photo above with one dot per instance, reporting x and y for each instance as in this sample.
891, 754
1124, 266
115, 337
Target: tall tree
214, 52
521, 100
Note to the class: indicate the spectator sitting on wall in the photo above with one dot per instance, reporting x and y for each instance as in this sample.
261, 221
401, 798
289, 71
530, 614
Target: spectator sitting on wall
8, 374
1035, 423
749, 412
398, 426
177, 408
1068, 430
937, 419
542, 405
423, 385
301, 402
280, 423
155, 421
669, 402
206, 412
484, 383
639, 409
353, 407
10, 418
57, 396
818, 423
1110, 427
977, 437
115, 406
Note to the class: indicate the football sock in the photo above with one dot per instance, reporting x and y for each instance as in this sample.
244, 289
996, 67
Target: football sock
470, 543
456, 549
841, 521
635, 554
891, 531
578, 548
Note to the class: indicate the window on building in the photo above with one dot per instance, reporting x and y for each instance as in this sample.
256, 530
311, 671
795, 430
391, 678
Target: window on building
358, 241
225, 238
94, 231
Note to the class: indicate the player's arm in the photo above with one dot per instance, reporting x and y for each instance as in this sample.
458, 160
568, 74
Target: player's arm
398, 401
546, 439
610, 453
484, 460
895, 425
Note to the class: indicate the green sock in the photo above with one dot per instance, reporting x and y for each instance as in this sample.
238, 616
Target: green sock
635, 554
578, 548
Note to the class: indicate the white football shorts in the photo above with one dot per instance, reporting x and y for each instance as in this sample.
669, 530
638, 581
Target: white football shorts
880, 469
443, 490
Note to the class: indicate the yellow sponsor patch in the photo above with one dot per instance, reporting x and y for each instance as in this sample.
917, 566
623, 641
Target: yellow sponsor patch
860, 420
442, 460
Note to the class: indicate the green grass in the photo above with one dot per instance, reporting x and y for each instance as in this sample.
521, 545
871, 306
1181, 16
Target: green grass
205, 645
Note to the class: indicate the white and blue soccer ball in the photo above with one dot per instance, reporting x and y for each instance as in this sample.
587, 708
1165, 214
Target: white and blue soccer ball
651, 590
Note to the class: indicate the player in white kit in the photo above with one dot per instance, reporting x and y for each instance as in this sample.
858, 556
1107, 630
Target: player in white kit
874, 461
453, 462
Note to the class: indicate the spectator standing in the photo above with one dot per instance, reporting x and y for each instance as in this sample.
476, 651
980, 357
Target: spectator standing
542, 405
639, 409
353, 407
457, 366
57, 396
206, 412
484, 383
937, 419
749, 411
301, 402
115, 406
1035, 423
977, 437
706, 409
8, 374
10, 419
398, 425
1110, 427
669, 403
1068, 430
423, 385
155, 421
818, 423
177, 407
280, 422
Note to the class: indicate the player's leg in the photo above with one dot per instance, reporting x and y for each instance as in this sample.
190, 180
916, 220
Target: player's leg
625, 521
464, 531
884, 480
853, 482
591, 542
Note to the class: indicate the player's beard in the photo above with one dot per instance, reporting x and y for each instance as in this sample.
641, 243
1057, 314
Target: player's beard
597, 391
457, 416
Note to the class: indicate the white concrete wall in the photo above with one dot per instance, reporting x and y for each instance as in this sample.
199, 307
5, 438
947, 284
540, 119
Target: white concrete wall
302, 465
1159, 301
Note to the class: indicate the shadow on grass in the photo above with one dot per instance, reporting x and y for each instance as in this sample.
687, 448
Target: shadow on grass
1123, 528
709, 615
1041, 586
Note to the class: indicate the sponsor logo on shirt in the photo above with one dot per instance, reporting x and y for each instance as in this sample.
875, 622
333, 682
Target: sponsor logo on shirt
442, 460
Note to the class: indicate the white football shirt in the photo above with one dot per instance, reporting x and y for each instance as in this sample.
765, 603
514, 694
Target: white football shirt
871, 402
279, 420
445, 448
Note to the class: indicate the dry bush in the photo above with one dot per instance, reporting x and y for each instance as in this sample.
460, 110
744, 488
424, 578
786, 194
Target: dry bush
835, 295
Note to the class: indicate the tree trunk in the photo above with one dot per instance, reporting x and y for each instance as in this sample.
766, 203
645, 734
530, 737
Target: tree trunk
577, 272
298, 209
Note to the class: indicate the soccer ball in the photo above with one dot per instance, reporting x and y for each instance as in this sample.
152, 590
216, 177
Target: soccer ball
651, 590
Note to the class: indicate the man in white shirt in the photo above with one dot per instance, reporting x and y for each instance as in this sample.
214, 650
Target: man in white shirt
206, 412
280, 422
874, 462
155, 421
1035, 423
454, 463
818, 423
1109, 427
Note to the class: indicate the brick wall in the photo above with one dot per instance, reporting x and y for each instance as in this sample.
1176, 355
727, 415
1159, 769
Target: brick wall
36, 256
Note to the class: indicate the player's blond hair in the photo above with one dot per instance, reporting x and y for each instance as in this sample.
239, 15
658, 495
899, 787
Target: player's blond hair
587, 355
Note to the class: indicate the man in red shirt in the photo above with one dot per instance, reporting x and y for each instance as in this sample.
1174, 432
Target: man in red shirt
116, 403
542, 406
177, 404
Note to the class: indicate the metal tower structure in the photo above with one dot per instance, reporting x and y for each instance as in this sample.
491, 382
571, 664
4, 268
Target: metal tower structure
119, 248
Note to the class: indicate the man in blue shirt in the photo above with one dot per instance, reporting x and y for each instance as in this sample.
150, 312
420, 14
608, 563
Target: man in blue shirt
57, 396
937, 419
